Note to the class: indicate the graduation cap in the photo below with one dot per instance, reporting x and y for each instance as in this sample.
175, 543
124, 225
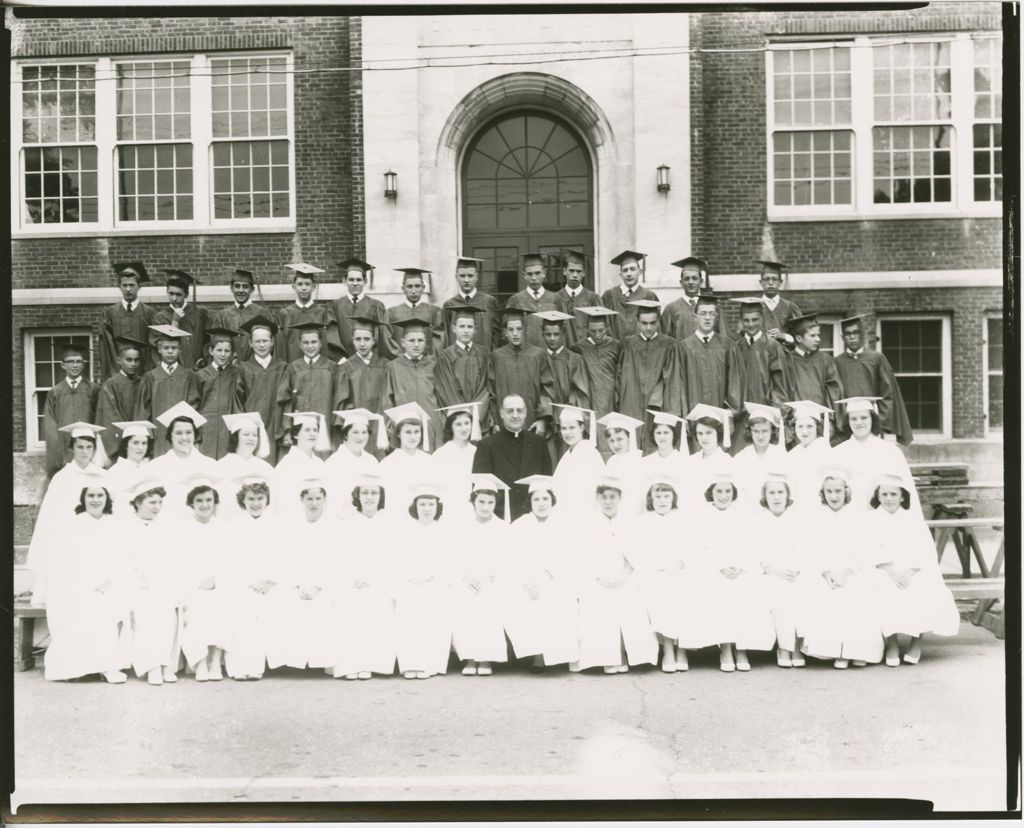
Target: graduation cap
532, 258
251, 419
720, 415
303, 269
747, 302
369, 478
353, 416
197, 479
411, 411
259, 322
538, 483
573, 257
775, 475
125, 342
427, 488
628, 424
309, 325
857, 404
721, 476
757, 411
456, 311
625, 255
218, 332
894, 478
469, 261
816, 411
596, 311
645, 304
365, 323
416, 271
610, 481
181, 409
323, 437
580, 415
553, 316
144, 486
660, 477
82, 429
706, 297
470, 408
664, 418
845, 323
695, 263
798, 324
833, 469
180, 279
513, 312
311, 481
240, 274
411, 324
768, 266
136, 269
168, 333
134, 428
482, 482
354, 264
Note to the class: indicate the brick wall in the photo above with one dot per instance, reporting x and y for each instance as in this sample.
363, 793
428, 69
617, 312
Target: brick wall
328, 146
732, 100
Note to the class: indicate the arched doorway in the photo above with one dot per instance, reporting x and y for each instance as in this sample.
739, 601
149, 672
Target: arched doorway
527, 187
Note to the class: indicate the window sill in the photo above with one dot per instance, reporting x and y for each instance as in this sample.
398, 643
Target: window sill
945, 215
161, 231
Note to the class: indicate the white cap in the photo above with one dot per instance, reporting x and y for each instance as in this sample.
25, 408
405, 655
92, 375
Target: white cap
470, 408
816, 411
181, 409
144, 485
350, 416
412, 411
856, 404
628, 424
764, 412
664, 418
721, 415
538, 483
488, 482
580, 415
323, 437
81, 429
236, 422
134, 428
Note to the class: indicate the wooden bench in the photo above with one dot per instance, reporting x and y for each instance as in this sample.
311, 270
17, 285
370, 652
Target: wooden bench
25, 616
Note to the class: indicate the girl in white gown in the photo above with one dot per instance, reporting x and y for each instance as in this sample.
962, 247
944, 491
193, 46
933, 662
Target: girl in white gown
352, 460
251, 580
183, 459
453, 461
540, 607
579, 467
309, 435
87, 608
408, 465
615, 631
421, 586
666, 459
478, 630
363, 576
711, 429
764, 451
624, 462
843, 623
154, 560
911, 594
865, 453
202, 578
248, 450
132, 463
300, 631
741, 619
61, 499
811, 452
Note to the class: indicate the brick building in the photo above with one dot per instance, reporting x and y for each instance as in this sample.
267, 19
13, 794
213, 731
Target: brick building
862, 148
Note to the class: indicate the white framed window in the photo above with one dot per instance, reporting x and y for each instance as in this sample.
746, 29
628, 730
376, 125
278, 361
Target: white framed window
831, 335
992, 362
918, 346
901, 126
43, 370
179, 143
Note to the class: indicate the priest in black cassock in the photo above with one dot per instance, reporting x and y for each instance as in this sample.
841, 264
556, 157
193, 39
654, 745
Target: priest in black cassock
262, 373
72, 400
488, 318
127, 318
753, 369
241, 310
460, 374
600, 354
513, 452
620, 298
574, 295
119, 394
518, 368
867, 373
810, 373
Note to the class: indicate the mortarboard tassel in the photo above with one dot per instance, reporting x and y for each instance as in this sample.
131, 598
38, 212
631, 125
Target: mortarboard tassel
383, 444
323, 437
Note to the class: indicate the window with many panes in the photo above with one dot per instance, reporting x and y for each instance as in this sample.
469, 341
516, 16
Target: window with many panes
885, 126
994, 372
185, 142
43, 370
918, 349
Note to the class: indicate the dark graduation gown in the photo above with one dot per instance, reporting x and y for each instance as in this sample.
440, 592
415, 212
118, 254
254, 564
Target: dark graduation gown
233, 317
344, 310
117, 322
677, 320
424, 311
525, 301
703, 370
261, 386
316, 388
361, 385
286, 344
220, 392
586, 298
754, 375
566, 383
460, 376
624, 324
407, 381
649, 378
518, 371
778, 318
869, 374
195, 321
488, 320
116, 404
510, 458
66, 405
158, 391
601, 362
811, 377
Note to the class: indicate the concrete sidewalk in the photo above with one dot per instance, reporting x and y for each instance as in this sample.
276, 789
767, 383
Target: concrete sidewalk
934, 731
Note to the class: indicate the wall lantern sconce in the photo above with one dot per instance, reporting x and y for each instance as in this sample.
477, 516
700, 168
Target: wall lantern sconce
391, 184
664, 183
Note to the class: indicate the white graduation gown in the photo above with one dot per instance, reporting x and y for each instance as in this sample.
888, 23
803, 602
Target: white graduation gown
628, 468
575, 481
172, 470
478, 630
342, 469
750, 471
868, 460
698, 473
121, 477
844, 622
739, 608
232, 470
926, 605
453, 466
612, 613
289, 475
542, 559
402, 472
364, 640
89, 630
804, 465
206, 613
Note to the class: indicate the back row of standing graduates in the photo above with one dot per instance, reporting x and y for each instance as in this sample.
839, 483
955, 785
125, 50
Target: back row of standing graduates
620, 352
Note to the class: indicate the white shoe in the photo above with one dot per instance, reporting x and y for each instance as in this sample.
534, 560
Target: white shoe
115, 677
622, 668
154, 678
469, 671
841, 663
610, 671
169, 675
364, 676
484, 670
351, 676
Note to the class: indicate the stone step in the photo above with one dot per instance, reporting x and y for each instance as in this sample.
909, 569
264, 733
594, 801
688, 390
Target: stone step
984, 458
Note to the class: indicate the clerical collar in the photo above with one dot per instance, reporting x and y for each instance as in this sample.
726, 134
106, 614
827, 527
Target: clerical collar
464, 347
771, 302
556, 353
754, 338
311, 360
513, 433
648, 339
263, 361
307, 306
